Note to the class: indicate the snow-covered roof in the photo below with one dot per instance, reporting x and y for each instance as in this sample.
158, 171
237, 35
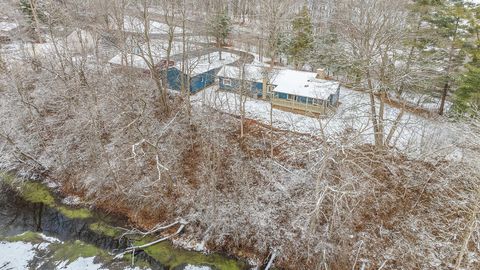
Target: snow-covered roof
7, 26
206, 62
302, 83
294, 82
132, 24
159, 52
252, 73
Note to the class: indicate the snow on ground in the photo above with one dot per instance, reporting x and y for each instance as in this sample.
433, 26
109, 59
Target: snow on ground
7, 26
80, 264
192, 267
351, 120
18, 256
15, 255
425, 101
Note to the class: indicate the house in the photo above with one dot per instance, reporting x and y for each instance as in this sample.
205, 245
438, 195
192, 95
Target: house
306, 92
196, 71
303, 91
230, 78
199, 71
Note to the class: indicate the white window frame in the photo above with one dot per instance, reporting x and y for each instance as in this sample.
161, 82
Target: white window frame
227, 82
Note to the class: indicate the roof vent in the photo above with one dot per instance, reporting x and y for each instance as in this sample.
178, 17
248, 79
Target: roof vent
306, 85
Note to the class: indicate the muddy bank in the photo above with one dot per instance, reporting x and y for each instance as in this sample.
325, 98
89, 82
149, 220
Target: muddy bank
29, 208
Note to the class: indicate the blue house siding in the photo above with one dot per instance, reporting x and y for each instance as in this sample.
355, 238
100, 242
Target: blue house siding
174, 78
256, 88
203, 80
197, 83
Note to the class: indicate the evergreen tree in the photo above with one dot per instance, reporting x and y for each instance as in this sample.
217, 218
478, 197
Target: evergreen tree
302, 40
26, 7
451, 35
220, 27
467, 97
34, 15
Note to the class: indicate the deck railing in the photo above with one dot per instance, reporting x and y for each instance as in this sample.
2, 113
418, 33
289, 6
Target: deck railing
292, 104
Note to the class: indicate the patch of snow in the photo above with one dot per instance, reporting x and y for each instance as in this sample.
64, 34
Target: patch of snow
425, 101
16, 255
193, 267
80, 264
456, 155
52, 184
200, 247
71, 200
7, 26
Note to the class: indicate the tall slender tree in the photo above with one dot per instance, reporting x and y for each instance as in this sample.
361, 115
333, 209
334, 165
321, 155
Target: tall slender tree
220, 28
302, 40
448, 24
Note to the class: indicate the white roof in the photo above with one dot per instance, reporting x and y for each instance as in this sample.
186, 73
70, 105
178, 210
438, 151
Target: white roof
204, 63
302, 83
7, 26
133, 24
252, 73
159, 52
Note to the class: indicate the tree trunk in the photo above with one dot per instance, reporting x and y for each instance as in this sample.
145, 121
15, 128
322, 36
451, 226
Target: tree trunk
446, 87
377, 126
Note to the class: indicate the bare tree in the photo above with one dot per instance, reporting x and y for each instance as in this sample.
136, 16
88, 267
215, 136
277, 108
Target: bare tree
371, 30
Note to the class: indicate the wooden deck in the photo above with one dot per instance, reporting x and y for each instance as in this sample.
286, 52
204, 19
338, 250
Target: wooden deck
304, 108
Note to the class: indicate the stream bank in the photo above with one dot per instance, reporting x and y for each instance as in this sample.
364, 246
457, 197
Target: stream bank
52, 235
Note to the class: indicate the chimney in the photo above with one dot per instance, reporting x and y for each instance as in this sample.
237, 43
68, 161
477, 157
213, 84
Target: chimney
321, 74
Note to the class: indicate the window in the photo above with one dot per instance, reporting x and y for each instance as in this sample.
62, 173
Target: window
269, 89
317, 102
227, 82
301, 99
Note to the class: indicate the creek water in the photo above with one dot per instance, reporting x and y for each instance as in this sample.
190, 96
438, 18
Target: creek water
46, 234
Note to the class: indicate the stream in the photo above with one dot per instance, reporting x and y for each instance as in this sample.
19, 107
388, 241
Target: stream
38, 231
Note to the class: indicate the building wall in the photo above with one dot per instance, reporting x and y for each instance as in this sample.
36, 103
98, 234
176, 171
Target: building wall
254, 87
203, 80
174, 79
334, 98
197, 83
